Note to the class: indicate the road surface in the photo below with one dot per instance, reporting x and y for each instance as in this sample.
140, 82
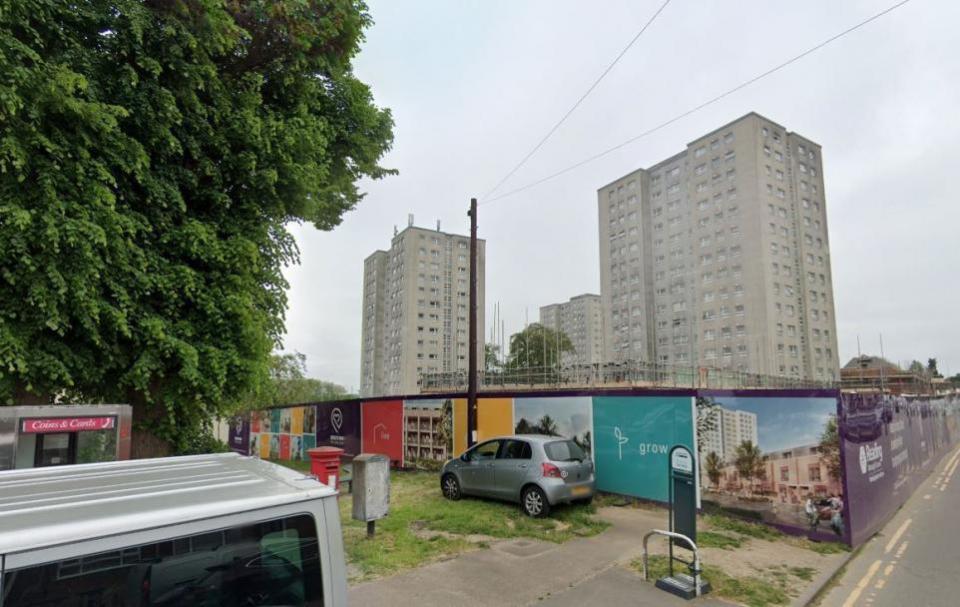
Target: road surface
915, 560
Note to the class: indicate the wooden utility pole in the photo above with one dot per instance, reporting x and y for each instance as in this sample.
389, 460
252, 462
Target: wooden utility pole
472, 355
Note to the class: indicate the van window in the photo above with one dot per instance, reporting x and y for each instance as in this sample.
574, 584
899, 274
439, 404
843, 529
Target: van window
271, 563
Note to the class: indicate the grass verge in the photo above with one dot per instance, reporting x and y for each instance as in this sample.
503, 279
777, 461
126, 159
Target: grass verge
712, 539
749, 590
423, 526
747, 529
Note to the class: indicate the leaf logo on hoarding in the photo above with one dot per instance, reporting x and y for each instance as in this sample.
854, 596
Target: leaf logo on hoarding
621, 440
336, 419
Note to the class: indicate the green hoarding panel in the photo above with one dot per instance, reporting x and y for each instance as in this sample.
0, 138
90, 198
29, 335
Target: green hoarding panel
632, 439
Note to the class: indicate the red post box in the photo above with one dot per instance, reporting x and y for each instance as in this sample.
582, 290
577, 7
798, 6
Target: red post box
325, 465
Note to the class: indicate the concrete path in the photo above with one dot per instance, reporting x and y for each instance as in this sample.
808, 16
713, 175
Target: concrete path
915, 559
585, 571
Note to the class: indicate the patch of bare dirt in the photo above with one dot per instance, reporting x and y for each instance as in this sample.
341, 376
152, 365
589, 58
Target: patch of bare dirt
420, 529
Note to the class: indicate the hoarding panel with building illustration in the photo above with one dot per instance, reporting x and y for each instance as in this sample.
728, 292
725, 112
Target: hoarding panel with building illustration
774, 459
428, 430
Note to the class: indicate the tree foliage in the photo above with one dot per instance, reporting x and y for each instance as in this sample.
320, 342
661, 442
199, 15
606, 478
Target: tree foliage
152, 154
708, 417
289, 384
537, 346
749, 462
713, 465
830, 448
491, 358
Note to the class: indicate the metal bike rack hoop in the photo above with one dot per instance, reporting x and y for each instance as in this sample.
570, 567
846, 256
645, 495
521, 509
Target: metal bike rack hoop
679, 536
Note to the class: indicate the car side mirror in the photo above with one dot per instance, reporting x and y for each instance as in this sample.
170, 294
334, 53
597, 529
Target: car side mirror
465, 457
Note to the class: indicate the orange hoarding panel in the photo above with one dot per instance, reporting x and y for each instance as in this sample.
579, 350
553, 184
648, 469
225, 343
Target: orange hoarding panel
494, 417
459, 426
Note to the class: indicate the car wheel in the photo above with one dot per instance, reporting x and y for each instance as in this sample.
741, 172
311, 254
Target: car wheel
534, 502
450, 487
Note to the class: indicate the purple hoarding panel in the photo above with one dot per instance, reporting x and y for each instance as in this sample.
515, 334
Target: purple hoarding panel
338, 425
890, 445
239, 436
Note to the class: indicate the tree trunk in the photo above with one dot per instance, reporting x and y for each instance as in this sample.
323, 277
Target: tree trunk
22, 396
144, 443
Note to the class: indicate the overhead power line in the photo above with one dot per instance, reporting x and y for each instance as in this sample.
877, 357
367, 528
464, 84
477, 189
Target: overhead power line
696, 108
579, 101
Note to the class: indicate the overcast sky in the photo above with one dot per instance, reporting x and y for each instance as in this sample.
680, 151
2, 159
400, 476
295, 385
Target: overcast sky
474, 85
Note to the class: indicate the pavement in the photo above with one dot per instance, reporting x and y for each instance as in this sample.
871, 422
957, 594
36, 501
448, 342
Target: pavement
915, 559
583, 571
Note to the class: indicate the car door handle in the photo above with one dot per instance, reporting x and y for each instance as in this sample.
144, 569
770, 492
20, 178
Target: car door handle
489, 466
522, 466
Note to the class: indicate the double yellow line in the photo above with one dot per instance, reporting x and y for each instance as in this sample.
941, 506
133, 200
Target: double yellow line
864, 583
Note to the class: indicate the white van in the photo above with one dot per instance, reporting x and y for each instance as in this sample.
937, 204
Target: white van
205, 531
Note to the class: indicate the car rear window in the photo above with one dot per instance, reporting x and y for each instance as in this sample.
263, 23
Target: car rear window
564, 451
270, 563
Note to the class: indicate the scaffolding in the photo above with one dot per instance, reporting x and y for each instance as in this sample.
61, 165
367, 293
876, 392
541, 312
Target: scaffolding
634, 374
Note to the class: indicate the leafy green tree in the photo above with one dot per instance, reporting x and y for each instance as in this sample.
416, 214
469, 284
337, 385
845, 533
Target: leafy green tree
289, 384
708, 417
713, 465
547, 425
932, 370
537, 346
585, 442
748, 461
152, 155
445, 429
830, 448
491, 358
524, 427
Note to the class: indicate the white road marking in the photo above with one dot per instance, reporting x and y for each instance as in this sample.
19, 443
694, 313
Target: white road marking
862, 584
902, 548
896, 536
888, 570
880, 584
926, 497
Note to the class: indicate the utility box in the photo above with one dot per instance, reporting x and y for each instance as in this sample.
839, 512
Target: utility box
371, 487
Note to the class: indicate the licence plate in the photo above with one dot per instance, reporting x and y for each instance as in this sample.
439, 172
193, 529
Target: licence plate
580, 491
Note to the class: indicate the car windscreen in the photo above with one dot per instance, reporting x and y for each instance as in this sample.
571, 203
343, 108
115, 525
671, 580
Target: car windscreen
262, 564
564, 451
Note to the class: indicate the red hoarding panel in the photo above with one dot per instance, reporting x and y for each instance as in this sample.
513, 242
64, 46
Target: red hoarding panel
284, 447
383, 429
66, 424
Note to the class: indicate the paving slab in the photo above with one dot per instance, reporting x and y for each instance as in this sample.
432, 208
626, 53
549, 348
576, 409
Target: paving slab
621, 586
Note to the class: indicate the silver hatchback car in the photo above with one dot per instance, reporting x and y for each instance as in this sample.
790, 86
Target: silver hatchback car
536, 471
